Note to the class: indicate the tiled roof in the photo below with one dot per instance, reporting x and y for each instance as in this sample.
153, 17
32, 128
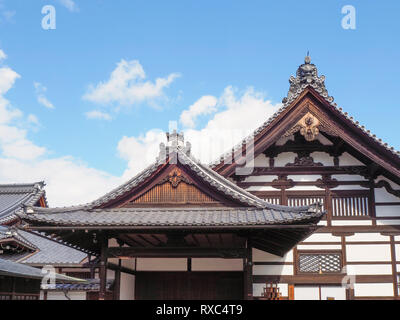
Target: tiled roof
306, 76
14, 196
90, 285
45, 250
14, 269
189, 217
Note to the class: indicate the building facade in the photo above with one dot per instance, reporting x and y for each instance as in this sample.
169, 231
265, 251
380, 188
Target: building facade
311, 150
315, 216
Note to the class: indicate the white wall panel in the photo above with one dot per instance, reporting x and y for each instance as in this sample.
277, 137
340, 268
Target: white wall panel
206, 264
261, 161
371, 269
162, 264
381, 195
127, 287
323, 158
284, 158
347, 160
320, 247
73, 295
273, 270
373, 289
351, 222
388, 222
306, 293
322, 237
261, 179
387, 211
374, 252
262, 256
367, 237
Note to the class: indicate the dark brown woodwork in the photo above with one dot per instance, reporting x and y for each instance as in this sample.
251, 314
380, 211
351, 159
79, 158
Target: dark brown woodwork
103, 267
189, 286
170, 252
358, 143
394, 267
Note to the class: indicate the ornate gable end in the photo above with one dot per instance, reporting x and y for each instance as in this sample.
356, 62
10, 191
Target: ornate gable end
309, 112
175, 188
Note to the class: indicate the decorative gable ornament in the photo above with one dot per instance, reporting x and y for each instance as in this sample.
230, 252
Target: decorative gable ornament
308, 127
306, 75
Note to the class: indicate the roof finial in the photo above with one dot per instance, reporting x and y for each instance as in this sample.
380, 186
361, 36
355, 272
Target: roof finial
307, 59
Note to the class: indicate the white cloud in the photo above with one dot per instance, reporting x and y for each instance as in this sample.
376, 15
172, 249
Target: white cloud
205, 105
3, 56
69, 181
41, 98
237, 117
95, 114
126, 86
70, 5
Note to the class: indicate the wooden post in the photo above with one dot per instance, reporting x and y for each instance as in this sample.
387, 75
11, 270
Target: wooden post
394, 266
103, 268
248, 272
117, 283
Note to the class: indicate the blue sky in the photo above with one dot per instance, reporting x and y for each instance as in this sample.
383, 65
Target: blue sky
233, 54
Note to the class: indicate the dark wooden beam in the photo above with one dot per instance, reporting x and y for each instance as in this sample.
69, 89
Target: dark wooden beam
103, 267
177, 252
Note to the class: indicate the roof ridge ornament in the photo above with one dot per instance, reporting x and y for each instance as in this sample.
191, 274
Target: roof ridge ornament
306, 75
175, 142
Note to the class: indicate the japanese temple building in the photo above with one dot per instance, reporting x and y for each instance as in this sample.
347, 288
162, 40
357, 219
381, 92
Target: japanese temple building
319, 209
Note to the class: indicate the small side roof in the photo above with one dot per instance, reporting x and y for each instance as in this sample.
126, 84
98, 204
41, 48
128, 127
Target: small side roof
14, 269
14, 196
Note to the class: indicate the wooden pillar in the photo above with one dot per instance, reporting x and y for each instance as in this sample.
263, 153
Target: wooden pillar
248, 272
103, 268
117, 283
394, 266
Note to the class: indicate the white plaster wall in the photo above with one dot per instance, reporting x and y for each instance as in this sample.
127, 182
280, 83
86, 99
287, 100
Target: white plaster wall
351, 222
273, 270
128, 263
349, 177
262, 256
74, 295
284, 158
387, 222
261, 161
387, 211
336, 292
322, 237
347, 160
305, 188
324, 140
207, 264
381, 195
372, 252
303, 177
323, 158
373, 289
127, 287
371, 269
320, 247
397, 249
261, 179
306, 293
162, 264
367, 237
264, 188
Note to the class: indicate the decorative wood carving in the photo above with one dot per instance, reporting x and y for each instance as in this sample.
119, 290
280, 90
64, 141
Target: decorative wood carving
305, 161
327, 181
175, 177
307, 126
283, 182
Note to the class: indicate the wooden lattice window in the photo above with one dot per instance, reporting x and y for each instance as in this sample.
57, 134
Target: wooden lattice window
348, 204
320, 262
273, 200
299, 201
